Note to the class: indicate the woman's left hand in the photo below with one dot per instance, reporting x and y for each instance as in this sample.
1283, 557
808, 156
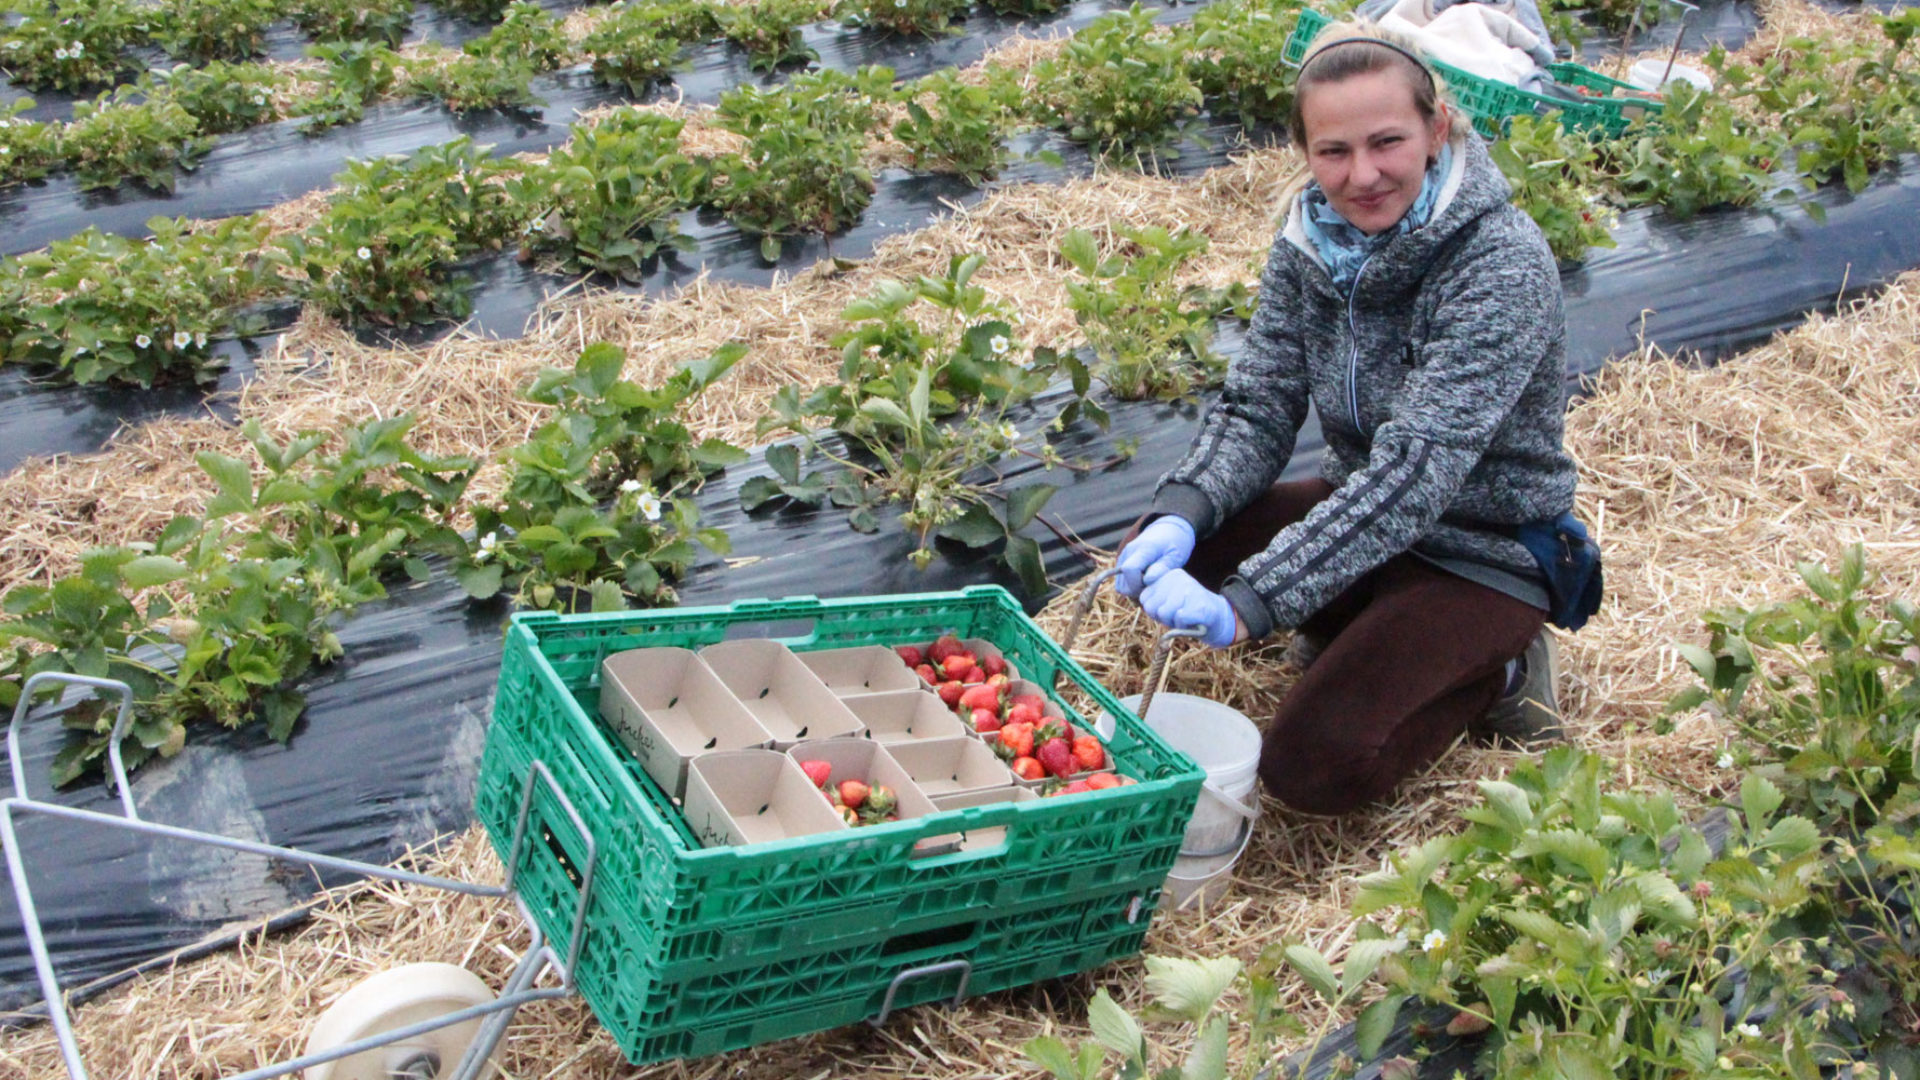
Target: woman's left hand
1178, 602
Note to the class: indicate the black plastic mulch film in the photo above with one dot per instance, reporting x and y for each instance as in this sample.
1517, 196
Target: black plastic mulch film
427, 658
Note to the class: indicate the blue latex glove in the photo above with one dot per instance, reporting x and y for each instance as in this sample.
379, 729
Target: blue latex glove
1178, 602
1165, 544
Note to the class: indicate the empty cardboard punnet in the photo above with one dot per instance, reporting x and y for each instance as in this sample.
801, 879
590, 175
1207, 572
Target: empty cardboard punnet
952, 766
870, 763
976, 839
752, 796
862, 669
905, 716
789, 700
667, 706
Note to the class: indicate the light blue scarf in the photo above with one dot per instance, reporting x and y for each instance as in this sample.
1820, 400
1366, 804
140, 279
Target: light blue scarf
1343, 247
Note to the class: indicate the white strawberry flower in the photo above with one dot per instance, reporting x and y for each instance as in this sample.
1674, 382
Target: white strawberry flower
999, 344
1009, 432
629, 486
182, 339
1748, 1031
365, 254
1724, 761
1435, 940
487, 544
75, 50
650, 506
142, 340
59, 54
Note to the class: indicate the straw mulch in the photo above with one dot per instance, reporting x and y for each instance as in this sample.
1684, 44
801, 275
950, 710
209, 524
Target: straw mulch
465, 390
1706, 485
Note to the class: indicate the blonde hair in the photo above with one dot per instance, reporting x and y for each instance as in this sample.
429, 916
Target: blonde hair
1341, 51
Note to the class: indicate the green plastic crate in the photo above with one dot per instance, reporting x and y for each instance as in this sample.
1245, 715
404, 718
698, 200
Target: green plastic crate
1491, 103
691, 951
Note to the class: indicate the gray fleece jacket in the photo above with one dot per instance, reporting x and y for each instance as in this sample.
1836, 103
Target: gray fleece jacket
1439, 387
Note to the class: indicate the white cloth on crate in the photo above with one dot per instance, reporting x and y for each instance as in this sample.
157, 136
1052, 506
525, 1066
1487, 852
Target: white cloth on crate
1474, 38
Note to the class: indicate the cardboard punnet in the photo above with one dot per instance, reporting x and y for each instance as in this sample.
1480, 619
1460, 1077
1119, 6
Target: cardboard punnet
905, 716
786, 697
869, 762
993, 836
952, 766
753, 796
667, 706
862, 669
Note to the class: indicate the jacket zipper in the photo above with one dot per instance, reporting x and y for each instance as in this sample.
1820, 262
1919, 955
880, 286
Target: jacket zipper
1353, 358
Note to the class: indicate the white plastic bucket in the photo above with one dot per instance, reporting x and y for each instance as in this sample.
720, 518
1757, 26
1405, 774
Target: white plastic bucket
1645, 74
1222, 741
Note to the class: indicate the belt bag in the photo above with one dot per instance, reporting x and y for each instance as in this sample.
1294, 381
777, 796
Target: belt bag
1571, 562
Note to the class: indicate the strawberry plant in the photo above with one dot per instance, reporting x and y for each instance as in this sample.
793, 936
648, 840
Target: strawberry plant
527, 34
956, 128
203, 30
1846, 109
922, 401
590, 509
112, 139
1152, 338
29, 149
802, 169
221, 97
1026, 7
327, 21
1587, 928
102, 307
928, 18
71, 45
637, 45
480, 11
472, 82
357, 72
608, 199
216, 619
1701, 155
1120, 86
1556, 181
770, 30
1189, 993
1238, 58
385, 252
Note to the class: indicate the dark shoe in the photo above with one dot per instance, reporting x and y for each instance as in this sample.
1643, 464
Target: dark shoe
1303, 649
1531, 713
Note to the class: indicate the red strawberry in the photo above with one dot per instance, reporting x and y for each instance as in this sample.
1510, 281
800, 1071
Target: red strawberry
985, 720
1089, 753
981, 697
999, 679
950, 692
910, 654
1022, 713
1034, 701
853, 793
967, 654
1057, 756
974, 675
1027, 768
817, 771
926, 672
1019, 737
956, 667
849, 815
1076, 788
948, 645
995, 665
1101, 781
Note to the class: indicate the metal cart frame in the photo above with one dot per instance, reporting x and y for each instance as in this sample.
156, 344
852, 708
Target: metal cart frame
520, 988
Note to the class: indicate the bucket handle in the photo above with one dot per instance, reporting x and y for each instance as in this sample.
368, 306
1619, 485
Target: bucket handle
1155, 669
1236, 847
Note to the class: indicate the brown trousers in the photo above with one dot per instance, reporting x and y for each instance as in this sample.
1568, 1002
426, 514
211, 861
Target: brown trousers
1413, 655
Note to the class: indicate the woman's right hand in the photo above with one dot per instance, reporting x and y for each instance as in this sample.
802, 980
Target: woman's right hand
1164, 545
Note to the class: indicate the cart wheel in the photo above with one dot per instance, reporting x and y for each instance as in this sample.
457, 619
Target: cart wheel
394, 999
